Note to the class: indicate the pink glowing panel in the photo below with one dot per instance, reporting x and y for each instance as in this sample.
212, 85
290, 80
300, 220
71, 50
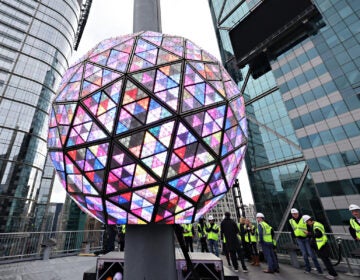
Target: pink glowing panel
147, 128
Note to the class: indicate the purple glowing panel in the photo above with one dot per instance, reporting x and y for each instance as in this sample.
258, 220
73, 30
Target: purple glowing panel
147, 128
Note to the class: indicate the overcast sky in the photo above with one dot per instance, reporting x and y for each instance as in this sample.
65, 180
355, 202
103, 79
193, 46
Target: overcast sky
187, 18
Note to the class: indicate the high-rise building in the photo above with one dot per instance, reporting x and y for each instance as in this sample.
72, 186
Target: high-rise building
297, 63
36, 40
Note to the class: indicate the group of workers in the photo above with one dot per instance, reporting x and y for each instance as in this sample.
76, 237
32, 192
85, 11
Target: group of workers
240, 240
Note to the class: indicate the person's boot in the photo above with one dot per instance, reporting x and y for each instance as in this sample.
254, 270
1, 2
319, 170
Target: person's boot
253, 260
257, 260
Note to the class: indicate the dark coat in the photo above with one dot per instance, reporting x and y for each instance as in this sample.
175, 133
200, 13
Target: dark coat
230, 230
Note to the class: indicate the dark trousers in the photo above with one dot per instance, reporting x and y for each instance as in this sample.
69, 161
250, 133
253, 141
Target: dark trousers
121, 245
270, 256
230, 253
324, 254
189, 243
203, 243
240, 254
253, 248
247, 250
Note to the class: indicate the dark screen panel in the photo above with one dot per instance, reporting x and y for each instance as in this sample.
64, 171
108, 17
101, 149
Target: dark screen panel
264, 21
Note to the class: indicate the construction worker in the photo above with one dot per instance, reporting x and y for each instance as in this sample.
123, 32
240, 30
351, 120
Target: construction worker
298, 232
121, 237
244, 249
202, 235
188, 233
316, 231
355, 221
251, 240
266, 241
213, 230
229, 233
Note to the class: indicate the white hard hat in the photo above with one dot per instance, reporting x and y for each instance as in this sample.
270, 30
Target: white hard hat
294, 211
306, 218
353, 207
260, 215
210, 218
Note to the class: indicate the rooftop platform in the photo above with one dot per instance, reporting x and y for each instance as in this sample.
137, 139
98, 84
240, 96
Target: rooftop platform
73, 268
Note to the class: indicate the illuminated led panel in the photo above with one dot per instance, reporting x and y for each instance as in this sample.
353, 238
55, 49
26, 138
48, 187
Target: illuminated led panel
147, 128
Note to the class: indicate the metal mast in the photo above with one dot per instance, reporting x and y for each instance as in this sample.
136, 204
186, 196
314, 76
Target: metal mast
149, 249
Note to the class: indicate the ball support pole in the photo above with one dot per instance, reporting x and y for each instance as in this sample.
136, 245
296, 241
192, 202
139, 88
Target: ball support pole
149, 252
149, 249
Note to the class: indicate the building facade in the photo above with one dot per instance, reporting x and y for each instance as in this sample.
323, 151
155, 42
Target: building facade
303, 114
36, 39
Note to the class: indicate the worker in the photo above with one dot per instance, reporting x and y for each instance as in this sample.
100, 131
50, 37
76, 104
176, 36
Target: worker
355, 221
188, 233
229, 232
213, 230
244, 249
202, 235
298, 232
316, 231
251, 241
121, 237
266, 241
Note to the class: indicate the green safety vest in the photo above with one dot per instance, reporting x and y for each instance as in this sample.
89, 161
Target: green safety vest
239, 235
212, 235
355, 226
298, 228
188, 228
201, 231
252, 236
323, 239
266, 232
123, 229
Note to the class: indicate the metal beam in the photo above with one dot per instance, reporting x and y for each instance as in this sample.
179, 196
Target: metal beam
147, 16
293, 198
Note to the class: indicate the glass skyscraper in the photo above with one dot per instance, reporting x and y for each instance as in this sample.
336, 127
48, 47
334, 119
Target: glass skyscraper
36, 39
303, 114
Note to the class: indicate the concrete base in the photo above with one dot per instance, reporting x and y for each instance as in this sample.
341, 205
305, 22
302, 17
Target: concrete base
149, 252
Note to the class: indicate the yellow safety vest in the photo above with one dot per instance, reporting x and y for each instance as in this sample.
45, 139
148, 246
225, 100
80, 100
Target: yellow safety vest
355, 226
266, 232
298, 228
123, 229
188, 228
252, 236
201, 231
321, 241
239, 235
212, 235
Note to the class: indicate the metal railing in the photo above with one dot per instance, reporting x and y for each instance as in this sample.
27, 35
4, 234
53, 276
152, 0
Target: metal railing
341, 247
21, 246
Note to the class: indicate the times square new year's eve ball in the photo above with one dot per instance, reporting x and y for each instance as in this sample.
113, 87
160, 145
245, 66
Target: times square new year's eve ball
147, 128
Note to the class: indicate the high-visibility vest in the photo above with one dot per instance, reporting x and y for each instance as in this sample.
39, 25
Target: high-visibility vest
240, 236
321, 241
252, 236
123, 229
201, 231
213, 235
299, 228
355, 226
266, 232
188, 229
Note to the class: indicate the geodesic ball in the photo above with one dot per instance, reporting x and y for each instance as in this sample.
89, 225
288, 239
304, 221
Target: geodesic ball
147, 128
